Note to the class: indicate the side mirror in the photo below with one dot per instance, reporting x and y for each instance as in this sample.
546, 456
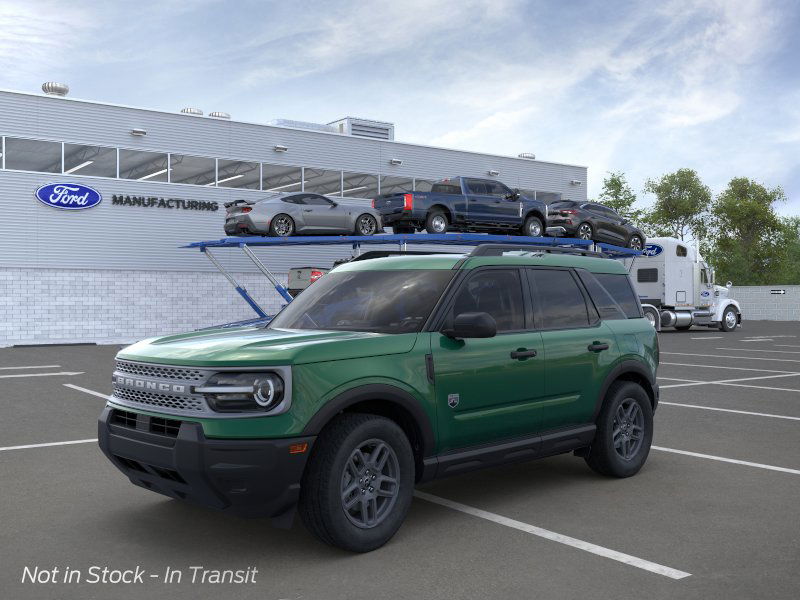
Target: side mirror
334, 204
472, 325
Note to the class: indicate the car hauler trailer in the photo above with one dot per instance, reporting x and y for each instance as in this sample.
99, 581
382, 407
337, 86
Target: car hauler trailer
505, 243
677, 288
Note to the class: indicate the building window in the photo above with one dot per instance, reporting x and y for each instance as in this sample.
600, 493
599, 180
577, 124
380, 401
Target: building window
359, 185
280, 178
238, 174
97, 161
321, 181
396, 185
423, 185
33, 155
194, 170
144, 166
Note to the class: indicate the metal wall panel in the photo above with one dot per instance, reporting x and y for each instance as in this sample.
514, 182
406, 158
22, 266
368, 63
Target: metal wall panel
125, 237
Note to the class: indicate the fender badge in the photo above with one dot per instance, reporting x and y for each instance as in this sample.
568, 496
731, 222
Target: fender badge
452, 400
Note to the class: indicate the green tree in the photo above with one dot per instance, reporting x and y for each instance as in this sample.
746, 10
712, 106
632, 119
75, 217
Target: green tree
617, 194
681, 205
749, 243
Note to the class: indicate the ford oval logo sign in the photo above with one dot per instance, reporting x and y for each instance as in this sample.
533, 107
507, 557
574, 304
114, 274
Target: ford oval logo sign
68, 196
652, 250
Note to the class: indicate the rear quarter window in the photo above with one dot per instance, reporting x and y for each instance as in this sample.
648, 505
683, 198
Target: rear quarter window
619, 287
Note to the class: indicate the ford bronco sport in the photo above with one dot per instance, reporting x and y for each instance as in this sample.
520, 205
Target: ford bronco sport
387, 373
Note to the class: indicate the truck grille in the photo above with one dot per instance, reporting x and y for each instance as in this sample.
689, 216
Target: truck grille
182, 403
162, 372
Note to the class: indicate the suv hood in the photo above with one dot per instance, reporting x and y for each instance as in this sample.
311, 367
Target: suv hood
251, 346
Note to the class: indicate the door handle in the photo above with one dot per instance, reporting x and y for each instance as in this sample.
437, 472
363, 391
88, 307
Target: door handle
522, 354
308, 210
597, 347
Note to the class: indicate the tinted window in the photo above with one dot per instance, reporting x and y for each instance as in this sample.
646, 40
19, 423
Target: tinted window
647, 275
559, 204
448, 187
606, 306
378, 301
560, 300
476, 187
495, 188
619, 286
497, 292
294, 199
317, 200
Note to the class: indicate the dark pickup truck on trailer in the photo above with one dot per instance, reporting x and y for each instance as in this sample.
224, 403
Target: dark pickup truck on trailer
463, 204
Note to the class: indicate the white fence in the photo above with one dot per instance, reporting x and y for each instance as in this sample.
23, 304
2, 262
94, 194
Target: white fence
768, 302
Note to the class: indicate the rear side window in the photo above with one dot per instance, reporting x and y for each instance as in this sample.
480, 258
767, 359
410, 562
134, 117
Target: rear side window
619, 286
560, 301
446, 187
608, 308
647, 275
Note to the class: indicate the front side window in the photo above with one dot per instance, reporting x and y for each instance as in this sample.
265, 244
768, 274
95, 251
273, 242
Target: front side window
316, 200
495, 188
476, 186
561, 303
393, 301
497, 292
33, 155
619, 286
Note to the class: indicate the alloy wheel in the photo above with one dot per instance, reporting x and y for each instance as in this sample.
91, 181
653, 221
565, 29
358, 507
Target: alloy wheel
730, 319
366, 225
282, 226
628, 429
585, 231
635, 243
534, 229
370, 483
439, 223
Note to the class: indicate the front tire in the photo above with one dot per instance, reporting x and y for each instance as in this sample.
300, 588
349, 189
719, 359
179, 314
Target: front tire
366, 224
729, 320
624, 431
281, 226
533, 227
584, 232
358, 484
436, 222
635, 243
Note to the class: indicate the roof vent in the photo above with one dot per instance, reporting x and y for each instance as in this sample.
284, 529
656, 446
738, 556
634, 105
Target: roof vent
219, 115
51, 88
527, 155
377, 130
192, 111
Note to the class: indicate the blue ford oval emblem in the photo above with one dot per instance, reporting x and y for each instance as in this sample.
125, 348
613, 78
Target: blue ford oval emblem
652, 250
69, 196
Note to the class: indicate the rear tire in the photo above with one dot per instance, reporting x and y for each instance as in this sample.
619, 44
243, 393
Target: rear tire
281, 226
346, 460
436, 222
366, 225
729, 320
584, 232
624, 431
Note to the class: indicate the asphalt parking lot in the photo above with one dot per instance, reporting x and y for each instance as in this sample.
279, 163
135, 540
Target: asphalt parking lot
713, 514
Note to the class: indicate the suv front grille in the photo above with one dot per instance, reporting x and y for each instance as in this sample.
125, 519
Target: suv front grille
162, 372
184, 403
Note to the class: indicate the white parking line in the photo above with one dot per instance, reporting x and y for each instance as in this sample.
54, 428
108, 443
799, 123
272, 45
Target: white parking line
739, 357
730, 410
41, 374
709, 337
727, 460
759, 340
556, 537
759, 350
723, 367
81, 389
31, 367
760, 387
788, 345
69, 443
727, 381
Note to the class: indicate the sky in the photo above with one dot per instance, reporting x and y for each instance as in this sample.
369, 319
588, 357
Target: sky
639, 87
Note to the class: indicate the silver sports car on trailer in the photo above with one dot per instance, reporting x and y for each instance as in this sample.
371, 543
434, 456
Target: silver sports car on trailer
300, 213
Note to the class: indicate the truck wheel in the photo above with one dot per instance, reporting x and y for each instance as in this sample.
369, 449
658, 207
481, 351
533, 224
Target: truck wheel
281, 226
436, 222
729, 321
358, 484
624, 431
366, 225
533, 227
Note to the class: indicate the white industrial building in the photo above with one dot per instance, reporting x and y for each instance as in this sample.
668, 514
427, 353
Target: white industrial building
115, 272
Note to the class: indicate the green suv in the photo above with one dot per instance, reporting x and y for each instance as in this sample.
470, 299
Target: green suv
387, 373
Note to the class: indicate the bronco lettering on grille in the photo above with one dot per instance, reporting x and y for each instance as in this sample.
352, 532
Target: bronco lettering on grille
150, 385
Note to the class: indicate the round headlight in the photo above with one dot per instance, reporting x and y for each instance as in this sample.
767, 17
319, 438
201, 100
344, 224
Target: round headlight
243, 392
268, 391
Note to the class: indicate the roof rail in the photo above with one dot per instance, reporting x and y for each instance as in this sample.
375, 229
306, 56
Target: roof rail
499, 249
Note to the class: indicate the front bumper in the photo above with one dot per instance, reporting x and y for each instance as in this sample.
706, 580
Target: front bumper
252, 478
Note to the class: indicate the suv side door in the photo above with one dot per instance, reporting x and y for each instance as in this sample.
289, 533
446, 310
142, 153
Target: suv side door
488, 204
579, 347
482, 393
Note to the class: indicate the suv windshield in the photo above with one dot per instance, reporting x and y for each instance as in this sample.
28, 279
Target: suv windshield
397, 301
